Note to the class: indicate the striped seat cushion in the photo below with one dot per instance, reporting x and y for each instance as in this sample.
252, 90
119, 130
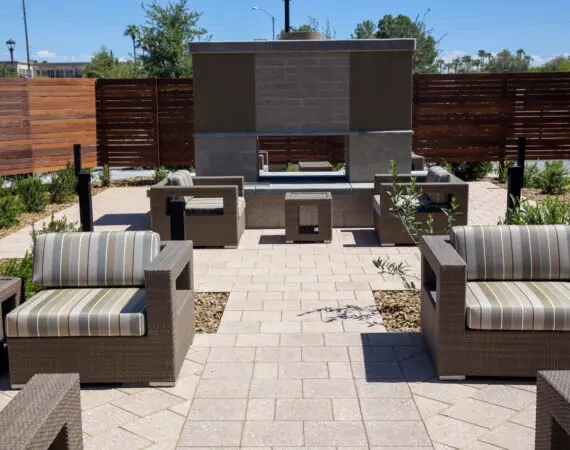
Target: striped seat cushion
80, 312
96, 259
515, 252
180, 178
518, 305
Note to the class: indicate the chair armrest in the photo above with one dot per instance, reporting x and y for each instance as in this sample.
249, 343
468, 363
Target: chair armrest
444, 270
48, 404
402, 178
220, 181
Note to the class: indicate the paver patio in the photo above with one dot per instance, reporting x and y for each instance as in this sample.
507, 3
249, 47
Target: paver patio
301, 358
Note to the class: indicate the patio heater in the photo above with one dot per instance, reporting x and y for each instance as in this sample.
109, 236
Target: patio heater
11, 43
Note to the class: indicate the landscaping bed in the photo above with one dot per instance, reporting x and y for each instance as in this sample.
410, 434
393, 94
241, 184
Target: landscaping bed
400, 310
209, 309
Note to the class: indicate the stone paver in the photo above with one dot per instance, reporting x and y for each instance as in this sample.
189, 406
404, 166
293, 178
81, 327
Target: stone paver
301, 360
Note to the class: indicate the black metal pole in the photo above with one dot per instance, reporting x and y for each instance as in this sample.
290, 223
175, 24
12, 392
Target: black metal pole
77, 158
287, 12
177, 226
514, 186
521, 151
85, 201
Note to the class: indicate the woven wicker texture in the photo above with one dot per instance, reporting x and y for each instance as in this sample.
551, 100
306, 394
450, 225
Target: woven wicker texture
552, 410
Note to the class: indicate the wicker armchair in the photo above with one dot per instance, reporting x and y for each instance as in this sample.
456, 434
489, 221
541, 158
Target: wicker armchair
115, 307
215, 208
438, 186
46, 414
494, 300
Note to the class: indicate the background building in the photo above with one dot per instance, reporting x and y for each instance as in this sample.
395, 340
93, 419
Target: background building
50, 69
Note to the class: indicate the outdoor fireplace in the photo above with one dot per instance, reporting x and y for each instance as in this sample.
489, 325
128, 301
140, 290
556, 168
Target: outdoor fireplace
360, 89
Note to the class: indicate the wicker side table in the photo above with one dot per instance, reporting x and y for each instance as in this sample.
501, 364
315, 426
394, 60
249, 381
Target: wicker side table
10, 297
552, 410
321, 232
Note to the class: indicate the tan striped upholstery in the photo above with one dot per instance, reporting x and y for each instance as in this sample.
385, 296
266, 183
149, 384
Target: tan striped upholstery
80, 312
518, 305
180, 178
526, 253
96, 259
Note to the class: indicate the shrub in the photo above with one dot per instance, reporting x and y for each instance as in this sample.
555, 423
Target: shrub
23, 267
10, 210
292, 167
338, 167
32, 193
551, 211
503, 169
160, 173
105, 176
532, 176
63, 185
471, 171
554, 178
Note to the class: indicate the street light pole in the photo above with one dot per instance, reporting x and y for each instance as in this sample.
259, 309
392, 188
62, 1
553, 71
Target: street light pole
287, 12
26, 31
255, 8
11, 43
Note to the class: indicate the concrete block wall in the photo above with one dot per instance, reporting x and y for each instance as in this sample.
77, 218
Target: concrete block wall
297, 91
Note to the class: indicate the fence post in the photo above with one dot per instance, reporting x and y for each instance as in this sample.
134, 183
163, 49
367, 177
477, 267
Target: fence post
85, 201
177, 225
77, 158
521, 151
514, 186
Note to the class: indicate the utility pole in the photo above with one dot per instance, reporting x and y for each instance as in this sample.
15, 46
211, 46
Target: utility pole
287, 12
27, 43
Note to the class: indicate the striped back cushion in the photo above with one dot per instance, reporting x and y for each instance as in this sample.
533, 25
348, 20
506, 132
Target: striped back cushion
96, 259
180, 178
437, 174
523, 253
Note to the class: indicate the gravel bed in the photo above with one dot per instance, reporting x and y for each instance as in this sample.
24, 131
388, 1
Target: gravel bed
209, 309
400, 310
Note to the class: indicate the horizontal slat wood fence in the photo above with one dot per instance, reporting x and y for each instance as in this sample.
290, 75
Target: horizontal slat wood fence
145, 122
475, 117
284, 149
41, 119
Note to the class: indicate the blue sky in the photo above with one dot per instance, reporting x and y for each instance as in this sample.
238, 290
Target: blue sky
62, 30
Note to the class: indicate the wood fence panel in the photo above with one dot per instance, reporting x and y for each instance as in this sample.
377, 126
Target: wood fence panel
284, 149
41, 119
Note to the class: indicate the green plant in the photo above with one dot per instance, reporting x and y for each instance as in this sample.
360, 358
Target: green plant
32, 193
532, 176
192, 169
160, 173
551, 211
292, 167
338, 167
23, 267
105, 176
471, 171
405, 197
10, 210
63, 185
503, 169
554, 178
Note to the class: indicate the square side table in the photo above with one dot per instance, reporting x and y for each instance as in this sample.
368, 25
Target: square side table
321, 232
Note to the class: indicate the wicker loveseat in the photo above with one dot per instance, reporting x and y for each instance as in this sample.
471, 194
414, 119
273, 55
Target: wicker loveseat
215, 208
438, 187
496, 300
115, 307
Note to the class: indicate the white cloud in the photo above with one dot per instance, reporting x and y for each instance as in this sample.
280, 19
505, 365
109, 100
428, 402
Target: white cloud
45, 54
451, 55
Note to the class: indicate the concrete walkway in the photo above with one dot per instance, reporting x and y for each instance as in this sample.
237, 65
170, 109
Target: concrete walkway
301, 359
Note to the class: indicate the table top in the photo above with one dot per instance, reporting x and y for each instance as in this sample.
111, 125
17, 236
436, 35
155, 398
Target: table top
315, 164
308, 196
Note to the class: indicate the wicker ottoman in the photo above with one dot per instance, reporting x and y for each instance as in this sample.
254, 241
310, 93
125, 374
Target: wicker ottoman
320, 232
553, 410
315, 166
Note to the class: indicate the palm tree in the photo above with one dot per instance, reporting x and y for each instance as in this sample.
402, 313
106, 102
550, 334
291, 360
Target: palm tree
132, 31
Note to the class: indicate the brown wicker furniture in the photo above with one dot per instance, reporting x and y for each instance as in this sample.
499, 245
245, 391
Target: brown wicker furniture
494, 300
295, 231
315, 166
552, 410
115, 307
215, 208
438, 186
418, 162
46, 414
10, 298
